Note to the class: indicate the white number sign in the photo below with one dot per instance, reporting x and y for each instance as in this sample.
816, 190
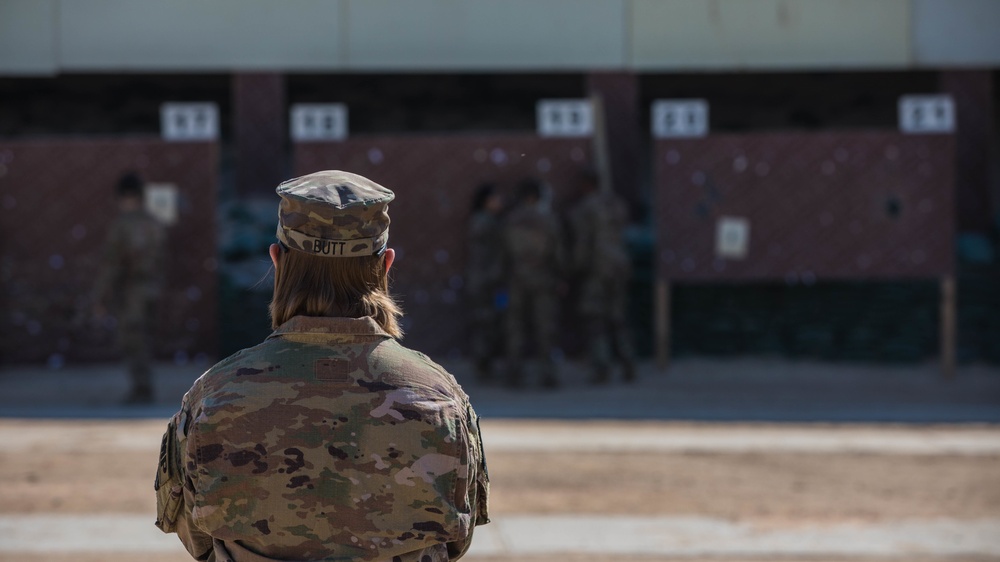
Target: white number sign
679, 118
189, 121
732, 237
161, 202
927, 114
319, 121
565, 118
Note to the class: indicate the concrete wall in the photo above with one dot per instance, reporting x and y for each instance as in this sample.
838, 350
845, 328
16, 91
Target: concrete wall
770, 34
51, 36
956, 32
28, 37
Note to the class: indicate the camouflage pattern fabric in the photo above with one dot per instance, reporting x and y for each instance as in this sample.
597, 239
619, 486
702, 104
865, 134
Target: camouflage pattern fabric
534, 257
329, 441
531, 312
334, 214
532, 246
598, 222
484, 276
602, 265
130, 281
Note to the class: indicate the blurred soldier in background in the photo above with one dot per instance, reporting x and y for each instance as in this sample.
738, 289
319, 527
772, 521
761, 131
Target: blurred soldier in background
533, 260
129, 282
602, 264
485, 276
329, 440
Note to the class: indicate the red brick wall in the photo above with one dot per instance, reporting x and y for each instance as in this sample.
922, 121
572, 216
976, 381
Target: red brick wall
56, 203
820, 206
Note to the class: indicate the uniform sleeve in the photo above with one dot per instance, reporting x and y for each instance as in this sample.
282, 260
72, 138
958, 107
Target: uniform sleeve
482, 476
479, 486
583, 239
561, 260
154, 256
110, 266
174, 493
506, 257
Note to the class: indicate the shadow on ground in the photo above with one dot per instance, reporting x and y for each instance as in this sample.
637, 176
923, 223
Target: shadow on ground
692, 389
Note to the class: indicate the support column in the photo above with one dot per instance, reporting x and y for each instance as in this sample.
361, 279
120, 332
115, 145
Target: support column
661, 324
972, 91
619, 93
949, 321
259, 133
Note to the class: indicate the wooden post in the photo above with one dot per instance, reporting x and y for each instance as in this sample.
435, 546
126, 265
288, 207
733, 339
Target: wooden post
661, 324
948, 326
600, 144
622, 129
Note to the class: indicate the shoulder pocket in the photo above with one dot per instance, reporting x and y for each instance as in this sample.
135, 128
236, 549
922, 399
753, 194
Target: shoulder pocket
169, 493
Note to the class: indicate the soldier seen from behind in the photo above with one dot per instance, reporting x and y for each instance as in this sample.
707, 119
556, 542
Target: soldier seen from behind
329, 440
533, 260
130, 281
602, 266
484, 277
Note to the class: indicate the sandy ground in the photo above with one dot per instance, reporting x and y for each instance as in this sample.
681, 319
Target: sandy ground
113, 557
787, 449
107, 467
94, 467
783, 487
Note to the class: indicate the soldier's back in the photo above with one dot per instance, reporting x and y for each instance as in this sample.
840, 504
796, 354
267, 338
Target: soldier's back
485, 249
531, 242
331, 436
138, 241
599, 222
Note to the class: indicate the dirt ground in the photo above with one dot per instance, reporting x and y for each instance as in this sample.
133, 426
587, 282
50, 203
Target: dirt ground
108, 467
113, 557
56, 467
789, 487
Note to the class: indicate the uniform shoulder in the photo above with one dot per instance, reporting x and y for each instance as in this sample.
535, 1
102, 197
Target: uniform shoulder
516, 215
420, 368
419, 359
224, 367
481, 222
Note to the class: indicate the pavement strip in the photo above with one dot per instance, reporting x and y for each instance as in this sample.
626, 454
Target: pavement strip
534, 535
584, 437
596, 437
525, 535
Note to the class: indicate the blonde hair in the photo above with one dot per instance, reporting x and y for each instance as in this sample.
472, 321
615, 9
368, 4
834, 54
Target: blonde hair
308, 285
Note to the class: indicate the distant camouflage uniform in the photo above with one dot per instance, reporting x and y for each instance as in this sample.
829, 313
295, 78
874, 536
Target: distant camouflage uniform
602, 264
130, 281
483, 281
533, 257
329, 440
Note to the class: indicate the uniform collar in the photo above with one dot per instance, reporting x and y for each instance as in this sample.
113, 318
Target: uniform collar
364, 326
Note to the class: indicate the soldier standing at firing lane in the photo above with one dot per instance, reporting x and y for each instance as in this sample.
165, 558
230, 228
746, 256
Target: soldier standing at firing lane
533, 260
329, 440
484, 277
130, 282
602, 263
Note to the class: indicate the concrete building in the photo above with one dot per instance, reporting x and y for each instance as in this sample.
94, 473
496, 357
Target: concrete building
87, 68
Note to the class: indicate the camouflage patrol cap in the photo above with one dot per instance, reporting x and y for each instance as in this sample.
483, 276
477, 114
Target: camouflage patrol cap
334, 214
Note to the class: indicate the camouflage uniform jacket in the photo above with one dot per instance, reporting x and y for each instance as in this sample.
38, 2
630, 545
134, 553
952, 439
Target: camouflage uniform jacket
328, 441
132, 258
532, 246
485, 268
598, 222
